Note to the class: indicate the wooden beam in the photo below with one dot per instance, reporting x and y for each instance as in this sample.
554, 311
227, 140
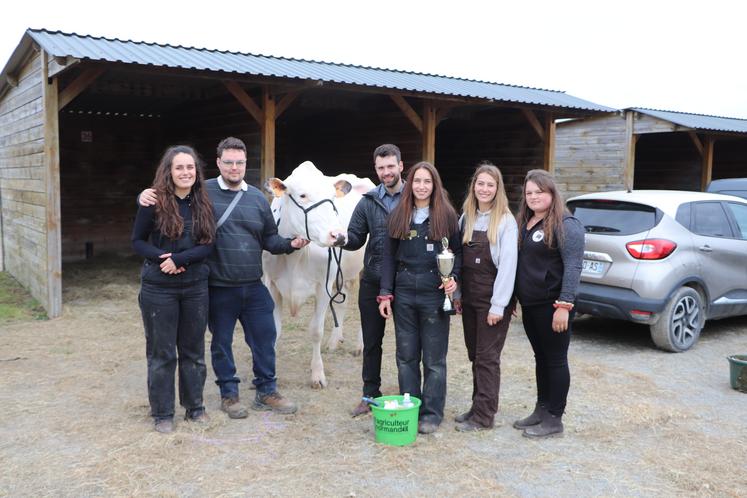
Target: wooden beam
629, 152
246, 101
549, 140
408, 111
696, 141
11, 80
78, 85
61, 64
267, 140
286, 101
52, 190
429, 132
707, 169
534, 122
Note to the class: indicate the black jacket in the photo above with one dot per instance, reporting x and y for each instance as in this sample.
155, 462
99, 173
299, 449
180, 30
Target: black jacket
369, 220
544, 274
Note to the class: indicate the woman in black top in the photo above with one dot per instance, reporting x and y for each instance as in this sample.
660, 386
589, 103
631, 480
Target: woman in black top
551, 248
410, 284
175, 237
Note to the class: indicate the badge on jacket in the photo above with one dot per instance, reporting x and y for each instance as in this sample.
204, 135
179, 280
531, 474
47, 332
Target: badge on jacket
413, 234
538, 236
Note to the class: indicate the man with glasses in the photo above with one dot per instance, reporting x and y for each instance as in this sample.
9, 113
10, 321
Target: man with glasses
246, 227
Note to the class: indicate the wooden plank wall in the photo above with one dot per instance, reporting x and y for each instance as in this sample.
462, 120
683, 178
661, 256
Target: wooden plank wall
22, 187
590, 155
730, 158
667, 161
339, 133
101, 178
503, 136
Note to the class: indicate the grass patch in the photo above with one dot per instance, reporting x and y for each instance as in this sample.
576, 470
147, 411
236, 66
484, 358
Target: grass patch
16, 303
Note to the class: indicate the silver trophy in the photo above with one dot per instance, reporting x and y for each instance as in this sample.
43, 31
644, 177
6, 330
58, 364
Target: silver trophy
445, 262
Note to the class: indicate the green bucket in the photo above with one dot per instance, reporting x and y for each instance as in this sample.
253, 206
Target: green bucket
397, 427
738, 371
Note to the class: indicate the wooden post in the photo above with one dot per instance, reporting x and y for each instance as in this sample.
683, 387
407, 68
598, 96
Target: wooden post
52, 189
429, 132
267, 168
549, 152
707, 170
629, 158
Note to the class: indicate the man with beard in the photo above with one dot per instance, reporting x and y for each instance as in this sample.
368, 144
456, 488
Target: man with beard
370, 220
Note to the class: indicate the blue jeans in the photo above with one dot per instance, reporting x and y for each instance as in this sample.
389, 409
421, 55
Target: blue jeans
174, 320
421, 331
252, 305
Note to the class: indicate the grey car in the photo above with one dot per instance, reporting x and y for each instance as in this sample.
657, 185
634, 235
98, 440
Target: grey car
729, 186
669, 259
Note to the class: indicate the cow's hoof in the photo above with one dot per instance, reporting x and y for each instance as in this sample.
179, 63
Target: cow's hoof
318, 384
334, 344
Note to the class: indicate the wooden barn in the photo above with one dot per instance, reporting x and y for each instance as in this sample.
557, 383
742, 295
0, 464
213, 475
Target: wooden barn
648, 149
83, 121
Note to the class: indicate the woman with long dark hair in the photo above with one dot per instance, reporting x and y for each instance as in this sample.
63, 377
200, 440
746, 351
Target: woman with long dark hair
489, 252
551, 248
411, 288
175, 236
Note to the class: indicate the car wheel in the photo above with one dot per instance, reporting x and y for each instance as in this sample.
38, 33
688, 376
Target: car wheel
679, 325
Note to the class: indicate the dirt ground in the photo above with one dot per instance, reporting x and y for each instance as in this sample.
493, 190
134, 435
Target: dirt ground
640, 422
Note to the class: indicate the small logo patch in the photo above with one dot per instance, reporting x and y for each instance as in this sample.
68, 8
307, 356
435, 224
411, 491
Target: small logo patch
538, 236
429, 247
477, 261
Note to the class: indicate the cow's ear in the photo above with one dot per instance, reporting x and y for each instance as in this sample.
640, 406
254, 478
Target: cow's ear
275, 186
342, 188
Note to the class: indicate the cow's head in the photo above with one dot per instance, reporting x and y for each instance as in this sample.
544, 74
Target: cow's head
306, 204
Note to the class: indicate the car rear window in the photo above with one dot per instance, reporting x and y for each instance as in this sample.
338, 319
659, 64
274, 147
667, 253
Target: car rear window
613, 217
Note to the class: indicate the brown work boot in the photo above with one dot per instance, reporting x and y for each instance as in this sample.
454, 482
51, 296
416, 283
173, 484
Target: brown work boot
164, 425
463, 417
470, 426
360, 409
275, 402
233, 408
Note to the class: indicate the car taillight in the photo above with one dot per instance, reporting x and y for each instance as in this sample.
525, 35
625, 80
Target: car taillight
651, 248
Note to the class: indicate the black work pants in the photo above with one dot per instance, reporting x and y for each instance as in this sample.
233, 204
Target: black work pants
550, 356
372, 327
175, 319
422, 332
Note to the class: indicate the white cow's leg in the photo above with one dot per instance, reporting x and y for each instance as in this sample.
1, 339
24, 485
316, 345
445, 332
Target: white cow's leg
277, 313
336, 338
359, 344
316, 331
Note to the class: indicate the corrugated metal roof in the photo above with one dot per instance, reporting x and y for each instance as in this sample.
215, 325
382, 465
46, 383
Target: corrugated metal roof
697, 121
85, 47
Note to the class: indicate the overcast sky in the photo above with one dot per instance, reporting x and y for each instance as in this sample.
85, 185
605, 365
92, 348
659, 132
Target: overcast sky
682, 55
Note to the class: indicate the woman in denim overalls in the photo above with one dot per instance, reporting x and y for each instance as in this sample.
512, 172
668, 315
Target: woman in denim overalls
411, 288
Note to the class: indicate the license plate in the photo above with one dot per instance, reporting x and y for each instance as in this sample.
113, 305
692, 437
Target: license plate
591, 267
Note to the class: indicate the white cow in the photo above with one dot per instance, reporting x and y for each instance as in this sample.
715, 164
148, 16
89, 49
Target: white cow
295, 277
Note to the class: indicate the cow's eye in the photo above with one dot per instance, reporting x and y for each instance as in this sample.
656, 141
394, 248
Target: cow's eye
302, 196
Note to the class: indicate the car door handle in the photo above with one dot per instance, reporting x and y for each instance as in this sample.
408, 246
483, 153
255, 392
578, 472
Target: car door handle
705, 248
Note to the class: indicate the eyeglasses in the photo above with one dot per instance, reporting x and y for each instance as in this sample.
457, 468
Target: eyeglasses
231, 163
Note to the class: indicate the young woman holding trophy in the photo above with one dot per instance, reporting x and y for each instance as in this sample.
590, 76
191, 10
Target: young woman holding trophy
421, 265
489, 253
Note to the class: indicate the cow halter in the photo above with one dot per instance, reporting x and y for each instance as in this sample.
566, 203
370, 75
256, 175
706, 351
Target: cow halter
338, 297
306, 211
